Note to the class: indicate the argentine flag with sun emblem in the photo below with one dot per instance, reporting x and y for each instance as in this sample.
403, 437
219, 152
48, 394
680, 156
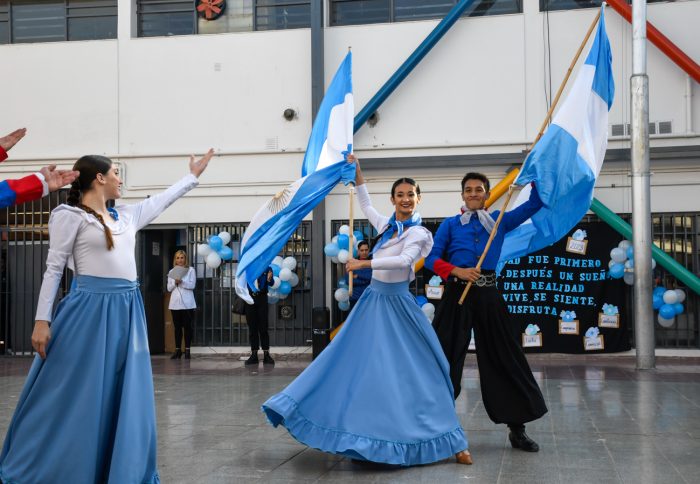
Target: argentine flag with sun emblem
324, 166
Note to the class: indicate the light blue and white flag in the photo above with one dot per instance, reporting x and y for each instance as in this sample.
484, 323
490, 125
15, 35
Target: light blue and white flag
324, 166
565, 163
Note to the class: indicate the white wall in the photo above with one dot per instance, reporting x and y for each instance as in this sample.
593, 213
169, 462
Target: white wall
151, 102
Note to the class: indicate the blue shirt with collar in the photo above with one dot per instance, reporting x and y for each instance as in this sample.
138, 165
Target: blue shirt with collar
462, 245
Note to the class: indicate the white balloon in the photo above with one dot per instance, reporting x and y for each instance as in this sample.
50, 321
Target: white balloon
213, 260
429, 310
272, 298
618, 255
653, 264
335, 260
334, 240
225, 237
666, 323
278, 261
203, 249
681, 295
344, 229
670, 297
629, 278
624, 244
290, 263
285, 274
283, 296
341, 294
611, 263
343, 256
276, 281
629, 264
294, 281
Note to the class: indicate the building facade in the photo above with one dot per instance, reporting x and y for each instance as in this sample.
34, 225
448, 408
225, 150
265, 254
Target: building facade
149, 82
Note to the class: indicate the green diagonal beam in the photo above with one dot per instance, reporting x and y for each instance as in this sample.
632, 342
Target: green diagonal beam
691, 281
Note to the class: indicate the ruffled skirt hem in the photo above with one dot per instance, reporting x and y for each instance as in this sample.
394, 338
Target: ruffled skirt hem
283, 410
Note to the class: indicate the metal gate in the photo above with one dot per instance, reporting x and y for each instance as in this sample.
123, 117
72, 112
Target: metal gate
24, 245
216, 324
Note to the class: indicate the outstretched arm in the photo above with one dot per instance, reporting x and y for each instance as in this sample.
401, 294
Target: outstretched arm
8, 141
145, 212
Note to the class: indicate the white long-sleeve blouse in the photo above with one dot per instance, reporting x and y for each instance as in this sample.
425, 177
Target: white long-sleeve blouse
77, 238
393, 261
182, 296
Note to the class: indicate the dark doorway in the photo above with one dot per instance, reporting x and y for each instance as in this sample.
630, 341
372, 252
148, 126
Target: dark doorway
155, 250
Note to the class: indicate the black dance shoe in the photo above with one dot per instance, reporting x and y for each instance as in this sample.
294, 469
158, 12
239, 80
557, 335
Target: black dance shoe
267, 359
253, 360
187, 353
176, 355
519, 440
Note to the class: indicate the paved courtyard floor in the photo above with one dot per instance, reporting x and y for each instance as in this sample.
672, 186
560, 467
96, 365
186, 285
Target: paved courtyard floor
607, 423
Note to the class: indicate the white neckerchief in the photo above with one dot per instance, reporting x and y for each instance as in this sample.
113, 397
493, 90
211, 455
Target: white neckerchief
486, 220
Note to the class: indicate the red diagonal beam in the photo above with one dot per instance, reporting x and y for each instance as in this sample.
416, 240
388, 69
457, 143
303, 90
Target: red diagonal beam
662, 42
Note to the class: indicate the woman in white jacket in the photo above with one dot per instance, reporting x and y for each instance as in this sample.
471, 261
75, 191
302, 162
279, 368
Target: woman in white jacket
182, 304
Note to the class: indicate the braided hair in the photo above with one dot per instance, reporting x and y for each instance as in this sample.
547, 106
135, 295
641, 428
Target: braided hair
89, 166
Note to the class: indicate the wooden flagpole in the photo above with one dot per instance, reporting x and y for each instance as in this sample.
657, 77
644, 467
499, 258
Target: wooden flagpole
351, 234
546, 121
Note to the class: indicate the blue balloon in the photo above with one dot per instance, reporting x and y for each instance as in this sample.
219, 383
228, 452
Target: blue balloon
421, 300
354, 252
657, 301
226, 253
630, 252
331, 249
344, 305
659, 291
275, 269
678, 308
343, 241
285, 287
617, 270
216, 243
666, 311
358, 235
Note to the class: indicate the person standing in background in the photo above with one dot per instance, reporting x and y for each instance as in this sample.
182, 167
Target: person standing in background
182, 304
257, 319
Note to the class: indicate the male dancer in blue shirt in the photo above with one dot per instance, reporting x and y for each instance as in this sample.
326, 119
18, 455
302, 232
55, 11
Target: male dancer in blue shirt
508, 389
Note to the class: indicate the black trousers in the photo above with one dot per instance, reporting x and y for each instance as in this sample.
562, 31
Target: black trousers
256, 317
183, 319
509, 391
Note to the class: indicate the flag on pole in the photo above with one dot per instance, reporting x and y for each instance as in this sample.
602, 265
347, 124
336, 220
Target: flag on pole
565, 163
323, 167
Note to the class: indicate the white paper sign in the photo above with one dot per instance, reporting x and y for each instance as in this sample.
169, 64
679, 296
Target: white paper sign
532, 340
608, 320
434, 292
593, 344
568, 327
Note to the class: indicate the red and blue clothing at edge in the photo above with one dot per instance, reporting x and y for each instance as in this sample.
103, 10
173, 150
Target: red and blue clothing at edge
457, 245
14, 192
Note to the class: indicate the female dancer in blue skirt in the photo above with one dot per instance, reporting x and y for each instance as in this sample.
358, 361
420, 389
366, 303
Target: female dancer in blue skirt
87, 412
381, 390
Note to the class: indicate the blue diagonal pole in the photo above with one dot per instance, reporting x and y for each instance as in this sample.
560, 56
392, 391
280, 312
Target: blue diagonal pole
402, 72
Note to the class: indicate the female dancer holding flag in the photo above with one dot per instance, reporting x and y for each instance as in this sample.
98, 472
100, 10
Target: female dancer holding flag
381, 390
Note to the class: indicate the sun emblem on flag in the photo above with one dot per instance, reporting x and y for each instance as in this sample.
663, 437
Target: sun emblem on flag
279, 201
211, 9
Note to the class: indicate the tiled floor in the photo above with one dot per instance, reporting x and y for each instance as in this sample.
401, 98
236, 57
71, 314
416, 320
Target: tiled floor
607, 423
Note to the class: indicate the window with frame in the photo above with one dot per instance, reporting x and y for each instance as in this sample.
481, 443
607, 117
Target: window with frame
178, 17
552, 5
355, 12
26, 21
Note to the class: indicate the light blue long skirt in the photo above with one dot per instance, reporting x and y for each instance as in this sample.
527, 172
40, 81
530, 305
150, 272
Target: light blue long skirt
380, 391
87, 412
